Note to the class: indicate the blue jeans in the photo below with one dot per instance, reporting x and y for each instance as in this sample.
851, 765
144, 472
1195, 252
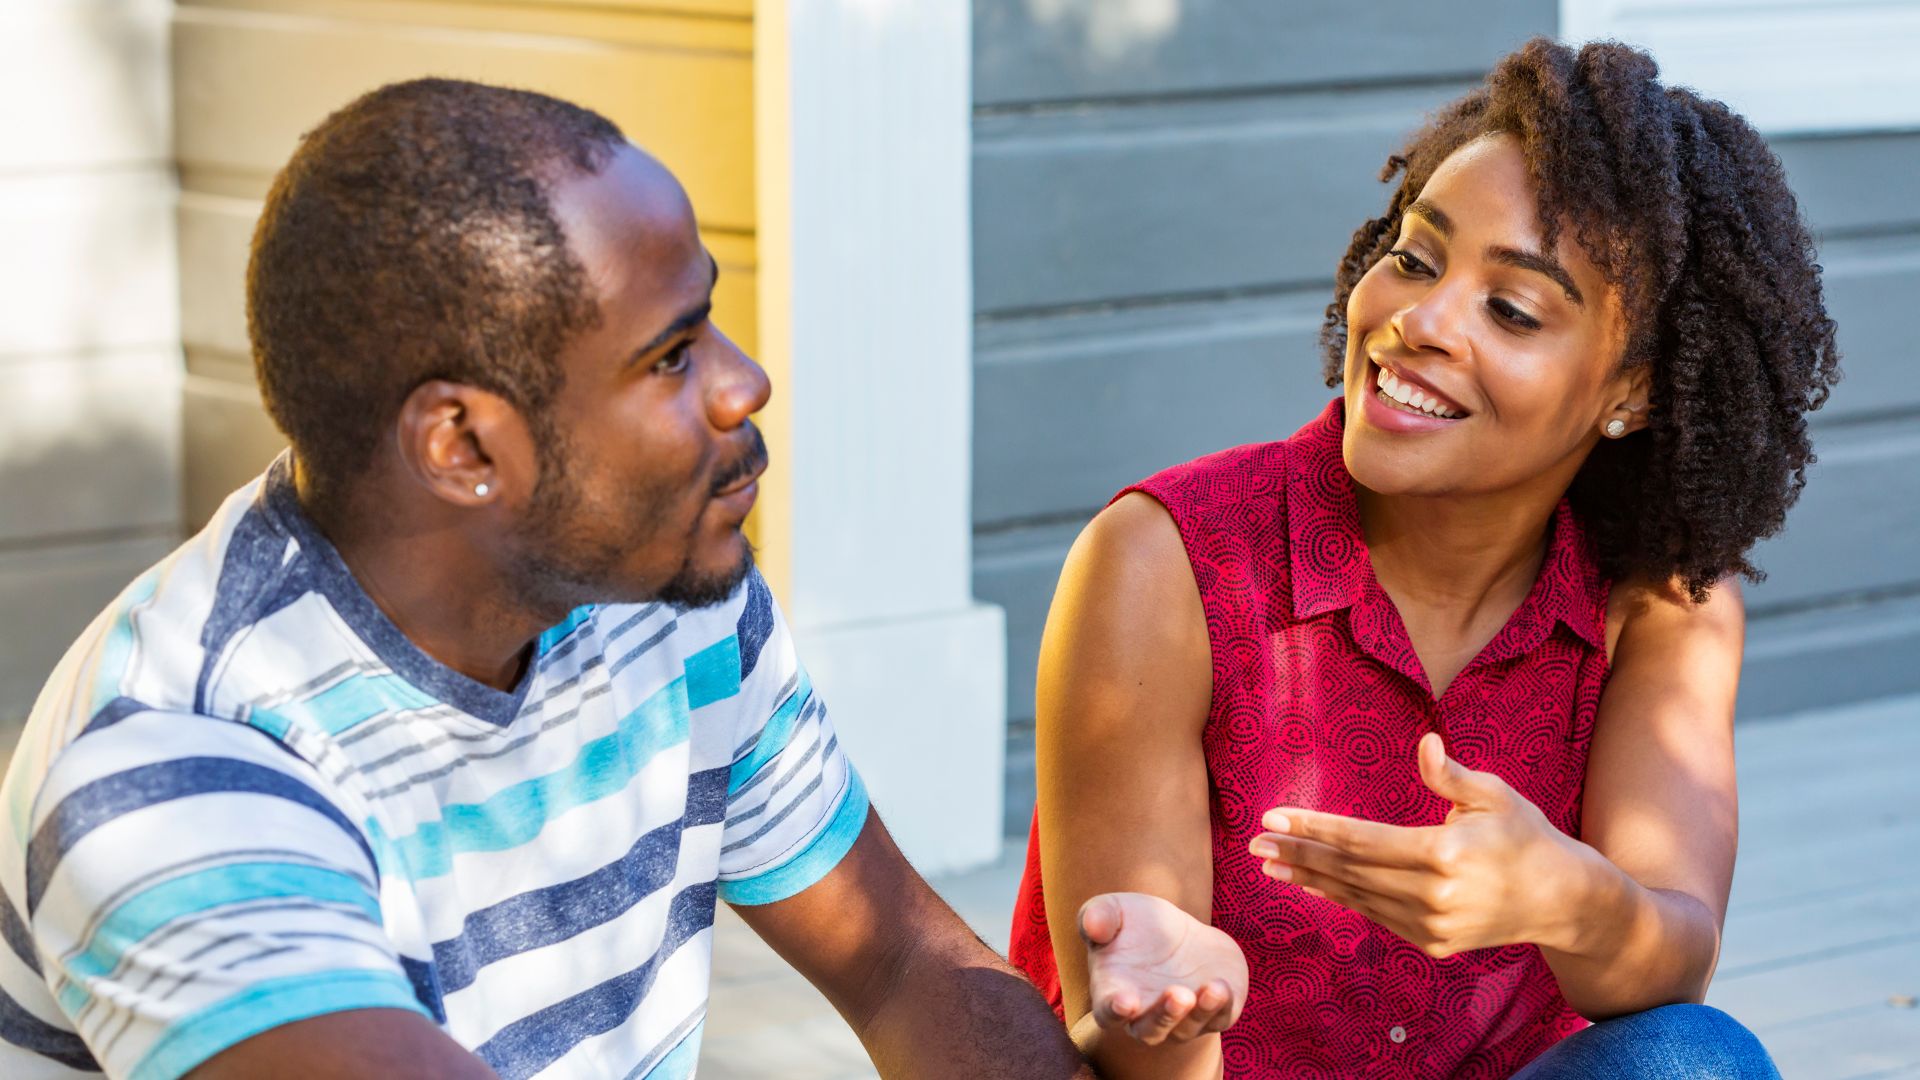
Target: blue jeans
1673, 1042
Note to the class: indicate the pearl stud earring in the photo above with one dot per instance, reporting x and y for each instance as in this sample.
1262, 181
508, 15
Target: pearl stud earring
481, 489
1616, 428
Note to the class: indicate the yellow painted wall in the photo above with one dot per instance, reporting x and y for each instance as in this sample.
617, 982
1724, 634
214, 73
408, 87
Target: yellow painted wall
250, 75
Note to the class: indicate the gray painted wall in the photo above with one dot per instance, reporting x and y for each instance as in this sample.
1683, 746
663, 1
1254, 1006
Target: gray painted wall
1158, 205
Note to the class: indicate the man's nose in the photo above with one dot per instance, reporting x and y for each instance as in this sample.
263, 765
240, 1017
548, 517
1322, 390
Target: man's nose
740, 389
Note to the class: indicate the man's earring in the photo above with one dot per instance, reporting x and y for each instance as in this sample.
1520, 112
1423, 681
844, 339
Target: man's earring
1616, 428
481, 488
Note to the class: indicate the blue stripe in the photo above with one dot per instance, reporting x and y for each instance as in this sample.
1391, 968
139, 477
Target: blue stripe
113, 712
426, 987
16, 934
29, 1032
534, 1042
516, 814
679, 1064
756, 623
713, 673
346, 705
774, 736
148, 910
251, 565
797, 874
547, 916
103, 800
558, 633
266, 1005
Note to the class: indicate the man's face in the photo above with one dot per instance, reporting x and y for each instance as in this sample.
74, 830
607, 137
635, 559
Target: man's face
648, 458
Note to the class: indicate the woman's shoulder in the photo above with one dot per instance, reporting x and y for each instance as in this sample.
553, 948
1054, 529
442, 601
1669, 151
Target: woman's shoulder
1218, 481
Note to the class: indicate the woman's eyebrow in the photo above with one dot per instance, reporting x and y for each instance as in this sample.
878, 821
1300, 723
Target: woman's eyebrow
1540, 264
1433, 216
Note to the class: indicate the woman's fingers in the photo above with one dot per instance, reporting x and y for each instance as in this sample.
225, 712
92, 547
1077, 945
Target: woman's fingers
1287, 858
1173, 1006
1366, 841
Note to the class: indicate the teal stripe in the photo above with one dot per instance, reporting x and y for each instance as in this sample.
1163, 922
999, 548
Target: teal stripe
679, 1064
273, 723
515, 815
774, 736
265, 1005
147, 911
813, 863
713, 673
117, 652
350, 703
558, 633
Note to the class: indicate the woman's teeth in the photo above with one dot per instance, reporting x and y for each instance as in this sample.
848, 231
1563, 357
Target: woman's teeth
1411, 398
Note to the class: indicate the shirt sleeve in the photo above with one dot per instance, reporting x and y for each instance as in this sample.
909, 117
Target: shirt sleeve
190, 883
795, 804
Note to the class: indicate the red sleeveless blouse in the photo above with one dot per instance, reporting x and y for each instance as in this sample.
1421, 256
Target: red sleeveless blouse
1318, 702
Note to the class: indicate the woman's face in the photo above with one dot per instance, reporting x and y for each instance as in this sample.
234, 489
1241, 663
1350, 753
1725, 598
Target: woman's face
1477, 361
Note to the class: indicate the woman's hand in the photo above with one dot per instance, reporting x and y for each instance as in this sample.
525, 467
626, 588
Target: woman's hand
1496, 873
1156, 972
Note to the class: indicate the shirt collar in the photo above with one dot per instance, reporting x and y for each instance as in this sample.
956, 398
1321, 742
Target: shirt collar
1331, 570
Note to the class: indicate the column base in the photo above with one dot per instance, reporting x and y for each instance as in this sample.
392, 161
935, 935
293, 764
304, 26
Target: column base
920, 706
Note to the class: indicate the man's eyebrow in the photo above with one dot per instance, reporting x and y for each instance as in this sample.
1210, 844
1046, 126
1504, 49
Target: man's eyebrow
1434, 216
1539, 264
687, 319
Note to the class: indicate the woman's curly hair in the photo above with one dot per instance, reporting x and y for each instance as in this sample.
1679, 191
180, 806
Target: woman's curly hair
1683, 207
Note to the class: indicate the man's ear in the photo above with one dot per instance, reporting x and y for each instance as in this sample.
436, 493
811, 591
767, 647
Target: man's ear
470, 447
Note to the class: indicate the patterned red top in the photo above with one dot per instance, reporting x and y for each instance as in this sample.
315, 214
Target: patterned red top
1318, 702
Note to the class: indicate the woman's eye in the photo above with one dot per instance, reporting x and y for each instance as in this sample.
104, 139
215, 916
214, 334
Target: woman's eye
1408, 262
1513, 315
675, 360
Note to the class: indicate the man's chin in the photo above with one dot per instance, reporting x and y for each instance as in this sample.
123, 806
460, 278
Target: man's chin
697, 588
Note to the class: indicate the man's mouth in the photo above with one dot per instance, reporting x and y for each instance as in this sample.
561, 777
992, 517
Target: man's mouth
738, 476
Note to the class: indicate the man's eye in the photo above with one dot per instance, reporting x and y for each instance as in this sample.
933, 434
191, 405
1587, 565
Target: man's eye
675, 360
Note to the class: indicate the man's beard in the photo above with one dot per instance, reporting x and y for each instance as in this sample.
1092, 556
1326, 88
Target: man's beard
563, 564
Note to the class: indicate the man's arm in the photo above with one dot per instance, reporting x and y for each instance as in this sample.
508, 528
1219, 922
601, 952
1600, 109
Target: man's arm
390, 1043
926, 997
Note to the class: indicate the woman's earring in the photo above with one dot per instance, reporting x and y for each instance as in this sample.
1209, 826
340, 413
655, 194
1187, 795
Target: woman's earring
481, 489
1616, 428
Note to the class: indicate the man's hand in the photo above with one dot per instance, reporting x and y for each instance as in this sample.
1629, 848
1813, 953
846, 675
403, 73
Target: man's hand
1158, 973
1496, 873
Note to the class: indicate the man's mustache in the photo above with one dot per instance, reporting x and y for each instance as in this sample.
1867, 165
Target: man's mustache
749, 462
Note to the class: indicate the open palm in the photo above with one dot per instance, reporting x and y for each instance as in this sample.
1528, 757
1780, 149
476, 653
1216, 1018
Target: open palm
1157, 972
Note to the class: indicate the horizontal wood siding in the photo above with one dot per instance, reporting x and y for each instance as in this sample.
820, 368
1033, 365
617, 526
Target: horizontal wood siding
1157, 213
1161, 192
89, 333
251, 75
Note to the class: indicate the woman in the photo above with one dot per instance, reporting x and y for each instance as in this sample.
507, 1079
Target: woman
1425, 712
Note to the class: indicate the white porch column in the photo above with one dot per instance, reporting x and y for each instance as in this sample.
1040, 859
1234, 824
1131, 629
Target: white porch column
863, 119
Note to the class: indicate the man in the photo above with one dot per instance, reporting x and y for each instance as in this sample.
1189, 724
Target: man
432, 753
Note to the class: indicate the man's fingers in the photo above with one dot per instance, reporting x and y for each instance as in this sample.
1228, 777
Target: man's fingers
1100, 919
1369, 841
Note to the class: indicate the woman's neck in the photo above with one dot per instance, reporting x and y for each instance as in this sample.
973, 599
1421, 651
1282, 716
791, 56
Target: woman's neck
1455, 567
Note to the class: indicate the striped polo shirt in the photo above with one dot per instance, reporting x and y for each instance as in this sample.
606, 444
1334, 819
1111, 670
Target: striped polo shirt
245, 798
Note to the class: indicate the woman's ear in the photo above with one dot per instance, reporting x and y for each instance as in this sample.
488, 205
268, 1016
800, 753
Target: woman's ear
1631, 400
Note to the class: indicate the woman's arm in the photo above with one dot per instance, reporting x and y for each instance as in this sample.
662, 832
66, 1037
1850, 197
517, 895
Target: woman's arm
1629, 915
1659, 805
1125, 681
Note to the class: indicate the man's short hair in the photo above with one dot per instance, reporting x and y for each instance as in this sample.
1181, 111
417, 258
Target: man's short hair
411, 238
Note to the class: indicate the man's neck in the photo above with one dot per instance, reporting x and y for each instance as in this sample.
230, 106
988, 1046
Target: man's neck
439, 589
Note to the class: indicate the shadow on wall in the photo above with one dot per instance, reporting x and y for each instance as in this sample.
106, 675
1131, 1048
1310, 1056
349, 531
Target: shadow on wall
90, 368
